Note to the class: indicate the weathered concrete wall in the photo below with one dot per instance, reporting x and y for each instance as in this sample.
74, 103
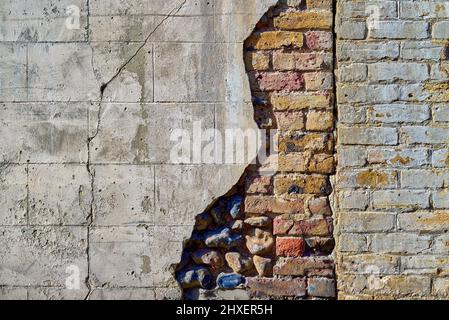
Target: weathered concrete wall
392, 149
90, 194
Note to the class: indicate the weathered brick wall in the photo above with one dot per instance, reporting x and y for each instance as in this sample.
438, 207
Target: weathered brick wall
391, 186
299, 44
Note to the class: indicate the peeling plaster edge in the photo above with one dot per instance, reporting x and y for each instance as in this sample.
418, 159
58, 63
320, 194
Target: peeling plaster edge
251, 112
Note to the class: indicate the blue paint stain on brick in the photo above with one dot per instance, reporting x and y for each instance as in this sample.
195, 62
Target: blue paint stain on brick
230, 281
222, 238
234, 205
196, 275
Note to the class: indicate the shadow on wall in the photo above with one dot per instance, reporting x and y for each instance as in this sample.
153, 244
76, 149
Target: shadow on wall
271, 235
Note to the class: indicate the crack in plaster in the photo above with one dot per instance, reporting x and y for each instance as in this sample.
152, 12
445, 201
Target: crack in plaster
103, 87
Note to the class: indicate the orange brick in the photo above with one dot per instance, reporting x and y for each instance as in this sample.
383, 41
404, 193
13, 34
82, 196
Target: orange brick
270, 204
276, 40
302, 162
290, 247
304, 20
300, 101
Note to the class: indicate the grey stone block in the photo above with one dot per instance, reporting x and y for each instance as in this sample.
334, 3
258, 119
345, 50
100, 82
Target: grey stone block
14, 202
59, 194
123, 195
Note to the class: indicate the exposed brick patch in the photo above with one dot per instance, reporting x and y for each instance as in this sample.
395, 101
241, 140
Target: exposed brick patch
279, 224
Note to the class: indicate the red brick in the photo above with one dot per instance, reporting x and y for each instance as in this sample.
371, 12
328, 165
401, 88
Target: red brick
319, 40
290, 120
277, 288
290, 247
277, 81
314, 227
281, 225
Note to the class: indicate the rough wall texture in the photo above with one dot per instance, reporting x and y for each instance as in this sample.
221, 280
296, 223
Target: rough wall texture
93, 206
392, 144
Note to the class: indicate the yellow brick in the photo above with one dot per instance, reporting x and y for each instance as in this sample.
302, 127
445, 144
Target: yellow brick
302, 184
304, 20
294, 162
320, 121
322, 163
439, 91
302, 162
257, 61
319, 4
318, 81
375, 179
276, 39
300, 101
302, 61
298, 142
